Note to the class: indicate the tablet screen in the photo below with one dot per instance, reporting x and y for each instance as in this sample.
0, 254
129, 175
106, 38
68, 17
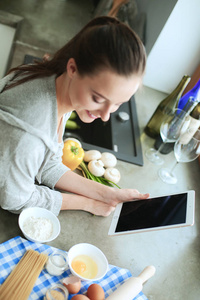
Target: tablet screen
155, 212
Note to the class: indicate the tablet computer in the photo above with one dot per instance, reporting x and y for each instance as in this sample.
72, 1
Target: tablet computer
160, 212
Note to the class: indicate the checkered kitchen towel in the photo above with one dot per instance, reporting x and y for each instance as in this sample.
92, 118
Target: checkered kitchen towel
12, 251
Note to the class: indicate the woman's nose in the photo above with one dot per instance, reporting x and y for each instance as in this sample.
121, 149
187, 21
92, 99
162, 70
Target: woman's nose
105, 113
105, 117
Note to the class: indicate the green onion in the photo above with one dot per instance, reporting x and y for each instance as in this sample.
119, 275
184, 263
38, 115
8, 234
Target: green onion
90, 176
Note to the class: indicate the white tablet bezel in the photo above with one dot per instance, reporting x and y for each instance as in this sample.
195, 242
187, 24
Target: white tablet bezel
190, 212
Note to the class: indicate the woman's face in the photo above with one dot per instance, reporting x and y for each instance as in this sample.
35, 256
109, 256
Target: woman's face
100, 95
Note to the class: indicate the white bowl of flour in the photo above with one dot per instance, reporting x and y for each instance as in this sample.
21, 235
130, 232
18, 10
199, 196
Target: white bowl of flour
39, 224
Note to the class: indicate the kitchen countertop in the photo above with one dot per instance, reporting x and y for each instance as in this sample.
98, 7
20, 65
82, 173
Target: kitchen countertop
175, 252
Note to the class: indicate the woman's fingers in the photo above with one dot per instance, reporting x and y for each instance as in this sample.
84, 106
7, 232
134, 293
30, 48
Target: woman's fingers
125, 195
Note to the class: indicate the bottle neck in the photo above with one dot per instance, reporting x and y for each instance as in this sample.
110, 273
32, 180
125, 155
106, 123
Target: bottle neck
194, 92
171, 101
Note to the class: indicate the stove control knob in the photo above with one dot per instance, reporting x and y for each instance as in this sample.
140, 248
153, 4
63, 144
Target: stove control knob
123, 116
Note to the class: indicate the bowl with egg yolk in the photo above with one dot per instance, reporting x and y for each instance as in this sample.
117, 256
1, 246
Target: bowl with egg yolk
87, 262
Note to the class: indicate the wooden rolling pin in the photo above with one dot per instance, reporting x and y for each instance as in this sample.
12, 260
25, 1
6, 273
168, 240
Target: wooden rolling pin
133, 286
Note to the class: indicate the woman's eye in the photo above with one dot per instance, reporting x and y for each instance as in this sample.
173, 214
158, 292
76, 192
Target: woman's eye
95, 99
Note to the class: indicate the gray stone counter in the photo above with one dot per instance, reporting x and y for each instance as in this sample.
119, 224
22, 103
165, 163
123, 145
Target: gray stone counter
175, 252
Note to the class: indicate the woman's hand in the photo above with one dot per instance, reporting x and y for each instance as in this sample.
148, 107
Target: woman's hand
92, 196
123, 195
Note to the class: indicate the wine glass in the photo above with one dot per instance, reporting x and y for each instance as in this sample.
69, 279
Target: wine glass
170, 130
186, 149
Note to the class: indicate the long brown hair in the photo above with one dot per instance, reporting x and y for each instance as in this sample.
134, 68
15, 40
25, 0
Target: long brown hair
104, 43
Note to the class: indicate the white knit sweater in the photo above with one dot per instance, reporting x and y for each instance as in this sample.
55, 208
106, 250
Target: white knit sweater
30, 155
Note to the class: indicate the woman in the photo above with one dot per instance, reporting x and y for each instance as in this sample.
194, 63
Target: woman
93, 74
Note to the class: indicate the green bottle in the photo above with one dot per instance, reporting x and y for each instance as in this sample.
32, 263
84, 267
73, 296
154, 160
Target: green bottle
166, 106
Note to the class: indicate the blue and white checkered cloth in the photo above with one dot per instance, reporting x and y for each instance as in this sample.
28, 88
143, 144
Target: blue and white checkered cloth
12, 251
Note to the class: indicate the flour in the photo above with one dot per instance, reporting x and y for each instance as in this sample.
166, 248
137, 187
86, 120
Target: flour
38, 228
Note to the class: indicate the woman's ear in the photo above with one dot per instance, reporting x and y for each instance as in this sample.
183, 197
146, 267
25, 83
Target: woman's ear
71, 67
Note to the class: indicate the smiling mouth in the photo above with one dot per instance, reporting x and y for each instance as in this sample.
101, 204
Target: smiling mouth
91, 115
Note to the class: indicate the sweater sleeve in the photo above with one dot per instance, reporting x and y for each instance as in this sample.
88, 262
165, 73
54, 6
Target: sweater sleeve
18, 188
41, 196
53, 169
